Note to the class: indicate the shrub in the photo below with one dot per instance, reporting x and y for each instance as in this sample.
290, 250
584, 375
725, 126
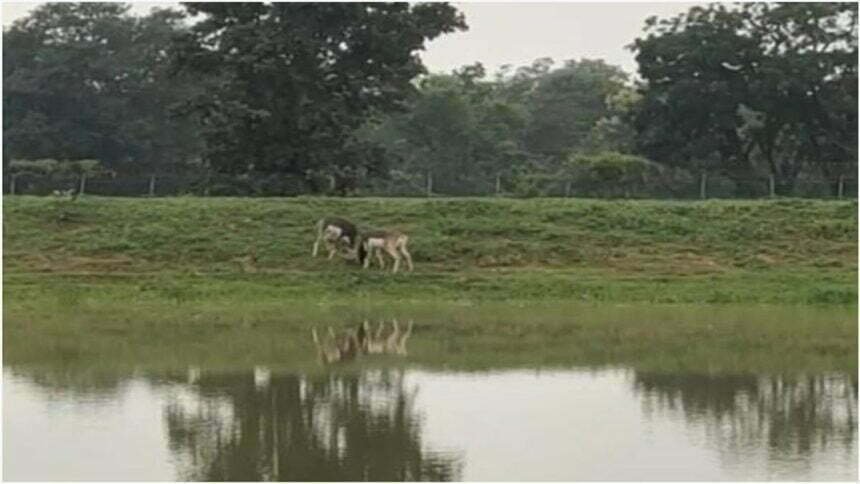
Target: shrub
618, 174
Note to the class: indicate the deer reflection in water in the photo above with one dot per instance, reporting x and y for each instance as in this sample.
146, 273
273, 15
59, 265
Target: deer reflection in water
362, 341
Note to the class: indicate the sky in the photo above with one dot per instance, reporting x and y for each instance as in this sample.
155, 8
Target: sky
515, 33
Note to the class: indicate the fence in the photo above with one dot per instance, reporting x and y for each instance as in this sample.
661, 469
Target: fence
684, 187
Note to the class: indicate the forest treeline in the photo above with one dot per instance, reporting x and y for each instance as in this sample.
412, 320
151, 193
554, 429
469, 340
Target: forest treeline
289, 98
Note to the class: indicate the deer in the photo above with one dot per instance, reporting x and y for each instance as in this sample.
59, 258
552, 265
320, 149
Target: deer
394, 343
70, 194
337, 349
393, 242
334, 231
361, 341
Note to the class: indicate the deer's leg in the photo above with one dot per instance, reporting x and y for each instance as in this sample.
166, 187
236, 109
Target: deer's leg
393, 338
317, 245
368, 257
401, 346
396, 255
365, 337
407, 255
380, 259
332, 249
322, 354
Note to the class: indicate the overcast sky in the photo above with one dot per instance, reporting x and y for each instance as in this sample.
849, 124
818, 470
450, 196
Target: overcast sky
515, 33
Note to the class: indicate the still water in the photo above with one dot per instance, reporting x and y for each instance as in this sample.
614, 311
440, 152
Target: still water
413, 424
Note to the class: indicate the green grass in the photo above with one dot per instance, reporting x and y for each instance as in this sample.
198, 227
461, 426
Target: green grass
498, 282
783, 251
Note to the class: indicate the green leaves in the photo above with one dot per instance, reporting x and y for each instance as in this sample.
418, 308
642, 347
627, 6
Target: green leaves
297, 79
751, 90
87, 80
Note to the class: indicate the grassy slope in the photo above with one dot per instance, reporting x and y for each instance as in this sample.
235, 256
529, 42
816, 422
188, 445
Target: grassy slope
793, 251
162, 281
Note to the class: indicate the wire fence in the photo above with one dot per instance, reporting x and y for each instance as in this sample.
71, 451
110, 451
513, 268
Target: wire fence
689, 187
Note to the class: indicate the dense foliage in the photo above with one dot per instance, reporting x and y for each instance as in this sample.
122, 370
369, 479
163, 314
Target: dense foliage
297, 79
287, 98
758, 88
87, 80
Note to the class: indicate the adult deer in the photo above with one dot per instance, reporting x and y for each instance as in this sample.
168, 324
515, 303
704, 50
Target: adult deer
392, 242
334, 231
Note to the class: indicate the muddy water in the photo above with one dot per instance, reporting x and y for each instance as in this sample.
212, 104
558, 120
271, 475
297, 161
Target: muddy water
413, 424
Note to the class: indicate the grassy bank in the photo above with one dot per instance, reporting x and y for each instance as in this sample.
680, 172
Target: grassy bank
784, 251
498, 283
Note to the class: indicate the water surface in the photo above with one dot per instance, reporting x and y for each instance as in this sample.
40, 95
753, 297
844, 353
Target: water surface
414, 424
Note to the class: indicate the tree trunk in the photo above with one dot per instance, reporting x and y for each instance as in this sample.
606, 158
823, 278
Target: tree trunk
739, 171
785, 187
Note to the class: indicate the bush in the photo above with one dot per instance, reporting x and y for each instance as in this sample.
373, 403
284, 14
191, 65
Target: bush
618, 174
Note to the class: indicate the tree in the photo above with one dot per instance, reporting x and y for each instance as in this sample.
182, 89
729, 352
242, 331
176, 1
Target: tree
87, 80
688, 113
458, 129
614, 131
58, 64
615, 174
753, 89
812, 61
470, 132
297, 79
566, 104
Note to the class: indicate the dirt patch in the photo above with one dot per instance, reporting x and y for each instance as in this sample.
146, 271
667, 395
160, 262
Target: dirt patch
767, 259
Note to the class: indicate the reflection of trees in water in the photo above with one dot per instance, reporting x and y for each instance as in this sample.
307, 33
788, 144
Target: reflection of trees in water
94, 384
792, 414
286, 427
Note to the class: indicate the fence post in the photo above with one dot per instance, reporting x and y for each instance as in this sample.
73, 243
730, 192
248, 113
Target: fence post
12, 184
429, 184
498, 184
772, 185
152, 185
703, 186
841, 186
567, 189
83, 186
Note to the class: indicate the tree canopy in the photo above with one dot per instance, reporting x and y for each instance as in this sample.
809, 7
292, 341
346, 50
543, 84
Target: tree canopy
87, 80
296, 80
760, 87
285, 98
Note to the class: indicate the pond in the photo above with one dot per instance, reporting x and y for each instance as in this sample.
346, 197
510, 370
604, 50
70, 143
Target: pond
415, 423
